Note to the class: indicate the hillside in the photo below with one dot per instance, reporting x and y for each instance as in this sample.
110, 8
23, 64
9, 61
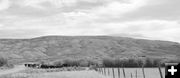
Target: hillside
85, 47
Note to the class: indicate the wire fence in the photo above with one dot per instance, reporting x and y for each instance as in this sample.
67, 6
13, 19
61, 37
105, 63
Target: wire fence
142, 72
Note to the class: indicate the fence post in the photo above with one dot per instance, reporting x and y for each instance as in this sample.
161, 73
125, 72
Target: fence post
109, 71
104, 71
113, 72
124, 72
131, 75
118, 72
136, 73
143, 72
159, 67
101, 71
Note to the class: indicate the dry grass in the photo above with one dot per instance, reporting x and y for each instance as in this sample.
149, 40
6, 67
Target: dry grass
54, 73
134, 72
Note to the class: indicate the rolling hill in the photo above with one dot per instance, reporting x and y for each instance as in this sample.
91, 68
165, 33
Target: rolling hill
85, 47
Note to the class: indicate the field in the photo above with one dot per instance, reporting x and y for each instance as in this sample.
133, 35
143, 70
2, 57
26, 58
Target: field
149, 72
53, 73
108, 73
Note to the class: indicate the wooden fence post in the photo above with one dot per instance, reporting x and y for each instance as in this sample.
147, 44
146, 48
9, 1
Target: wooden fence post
109, 71
143, 72
118, 72
136, 73
113, 72
104, 71
159, 67
124, 72
100, 70
131, 75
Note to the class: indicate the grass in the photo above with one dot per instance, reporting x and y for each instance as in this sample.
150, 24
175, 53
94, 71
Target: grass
54, 73
4, 63
62, 73
134, 72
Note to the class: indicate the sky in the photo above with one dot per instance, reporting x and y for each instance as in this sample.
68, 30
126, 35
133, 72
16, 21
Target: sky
146, 19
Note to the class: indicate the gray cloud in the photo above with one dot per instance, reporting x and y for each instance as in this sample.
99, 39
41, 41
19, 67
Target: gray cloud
4, 4
133, 18
161, 10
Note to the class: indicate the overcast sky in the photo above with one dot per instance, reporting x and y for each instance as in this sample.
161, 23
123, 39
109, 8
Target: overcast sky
150, 19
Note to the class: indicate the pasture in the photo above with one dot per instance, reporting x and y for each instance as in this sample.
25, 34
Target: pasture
54, 73
131, 72
67, 72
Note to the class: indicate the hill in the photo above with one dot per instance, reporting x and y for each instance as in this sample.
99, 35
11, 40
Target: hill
85, 47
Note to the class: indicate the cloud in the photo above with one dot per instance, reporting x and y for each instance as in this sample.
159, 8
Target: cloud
4, 4
149, 29
115, 8
164, 30
1, 25
39, 3
104, 9
131, 18
55, 3
156, 10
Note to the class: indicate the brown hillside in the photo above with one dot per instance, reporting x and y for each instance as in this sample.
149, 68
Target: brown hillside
86, 47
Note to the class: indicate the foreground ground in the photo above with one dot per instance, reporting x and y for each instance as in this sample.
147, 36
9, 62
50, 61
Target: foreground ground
13, 70
21, 72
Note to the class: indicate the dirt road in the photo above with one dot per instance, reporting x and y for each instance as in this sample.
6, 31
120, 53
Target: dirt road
15, 69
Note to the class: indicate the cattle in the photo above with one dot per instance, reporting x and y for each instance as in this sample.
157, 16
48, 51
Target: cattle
26, 65
45, 66
32, 65
49, 66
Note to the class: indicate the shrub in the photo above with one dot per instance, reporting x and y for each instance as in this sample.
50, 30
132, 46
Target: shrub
76, 62
108, 62
131, 62
148, 63
10, 65
58, 63
84, 63
3, 61
71, 62
140, 63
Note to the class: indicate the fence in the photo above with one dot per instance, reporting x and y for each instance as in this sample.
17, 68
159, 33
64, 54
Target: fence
132, 72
